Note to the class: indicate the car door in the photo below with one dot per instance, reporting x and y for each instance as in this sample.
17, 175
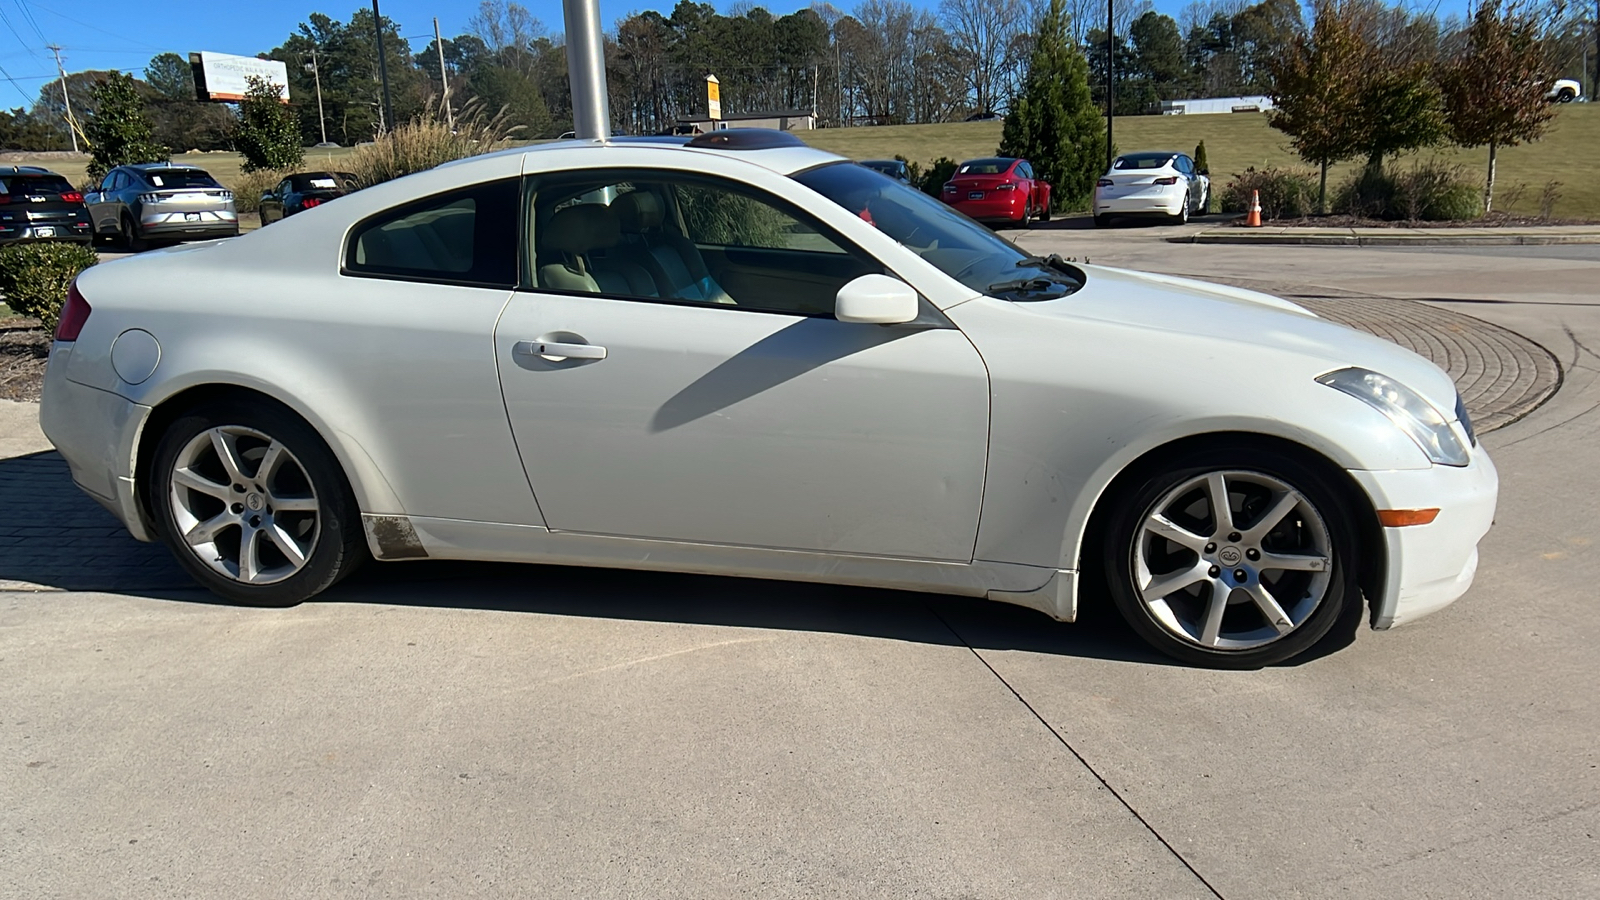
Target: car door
272, 203
1025, 171
643, 409
102, 205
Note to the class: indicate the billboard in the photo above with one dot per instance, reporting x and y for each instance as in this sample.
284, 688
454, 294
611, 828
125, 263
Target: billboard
222, 77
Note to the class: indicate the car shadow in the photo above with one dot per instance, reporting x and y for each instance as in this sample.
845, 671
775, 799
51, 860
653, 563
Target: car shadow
52, 535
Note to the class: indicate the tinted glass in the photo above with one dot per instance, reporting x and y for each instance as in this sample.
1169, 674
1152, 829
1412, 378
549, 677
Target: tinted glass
34, 184
684, 239
178, 178
1142, 161
317, 181
985, 167
958, 246
463, 237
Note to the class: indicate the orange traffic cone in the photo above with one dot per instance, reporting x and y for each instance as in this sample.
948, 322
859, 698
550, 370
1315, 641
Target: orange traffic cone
1253, 220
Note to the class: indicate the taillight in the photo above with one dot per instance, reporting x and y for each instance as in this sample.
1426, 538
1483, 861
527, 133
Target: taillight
950, 186
74, 313
72, 197
309, 202
4, 199
1170, 179
1104, 182
1005, 186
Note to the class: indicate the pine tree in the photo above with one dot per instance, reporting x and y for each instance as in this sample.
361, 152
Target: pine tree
1053, 123
1201, 164
268, 133
119, 132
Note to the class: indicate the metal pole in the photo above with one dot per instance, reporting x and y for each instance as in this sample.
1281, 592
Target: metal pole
72, 126
444, 79
1111, 80
586, 69
383, 67
316, 74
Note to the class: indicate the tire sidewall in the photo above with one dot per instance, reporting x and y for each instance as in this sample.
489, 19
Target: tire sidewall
1118, 547
330, 554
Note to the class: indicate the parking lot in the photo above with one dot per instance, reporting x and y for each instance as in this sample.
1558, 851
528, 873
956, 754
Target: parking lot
474, 730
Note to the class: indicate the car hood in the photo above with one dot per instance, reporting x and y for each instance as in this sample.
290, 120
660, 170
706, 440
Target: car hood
1202, 310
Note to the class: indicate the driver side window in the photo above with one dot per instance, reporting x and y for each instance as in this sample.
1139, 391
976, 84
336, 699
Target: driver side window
685, 239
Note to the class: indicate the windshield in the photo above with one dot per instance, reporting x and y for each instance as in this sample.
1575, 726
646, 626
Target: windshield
956, 245
1142, 161
179, 178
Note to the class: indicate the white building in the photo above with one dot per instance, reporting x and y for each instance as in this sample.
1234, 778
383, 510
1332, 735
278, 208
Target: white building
1211, 105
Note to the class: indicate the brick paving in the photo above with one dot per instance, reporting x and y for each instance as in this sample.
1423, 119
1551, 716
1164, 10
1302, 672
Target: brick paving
52, 536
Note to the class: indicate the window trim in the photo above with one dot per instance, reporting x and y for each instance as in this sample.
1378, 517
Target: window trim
528, 258
348, 249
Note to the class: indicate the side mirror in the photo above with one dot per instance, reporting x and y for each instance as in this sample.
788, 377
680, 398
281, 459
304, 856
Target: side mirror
876, 300
1206, 172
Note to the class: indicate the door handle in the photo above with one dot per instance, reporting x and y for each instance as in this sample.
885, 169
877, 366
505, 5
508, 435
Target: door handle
556, 351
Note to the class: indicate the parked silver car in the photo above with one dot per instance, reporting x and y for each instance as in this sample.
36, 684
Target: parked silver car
146, 202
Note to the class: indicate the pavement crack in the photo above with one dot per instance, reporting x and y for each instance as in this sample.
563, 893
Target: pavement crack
1080, 758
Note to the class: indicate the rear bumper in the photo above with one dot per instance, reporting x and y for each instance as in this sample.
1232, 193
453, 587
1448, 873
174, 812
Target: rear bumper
1430, 566
96, 432
1008, 209
1146, 201
209, 223
77, 232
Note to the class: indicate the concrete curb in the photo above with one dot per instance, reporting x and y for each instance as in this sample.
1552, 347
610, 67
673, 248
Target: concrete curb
1347, 237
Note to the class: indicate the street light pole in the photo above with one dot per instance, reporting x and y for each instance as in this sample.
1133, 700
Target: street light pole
586, 69
1111, 80
383, 67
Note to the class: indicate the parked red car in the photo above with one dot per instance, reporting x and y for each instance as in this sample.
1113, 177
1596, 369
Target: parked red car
999, 189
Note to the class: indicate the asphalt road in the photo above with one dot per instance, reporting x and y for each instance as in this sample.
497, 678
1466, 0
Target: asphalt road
449, 730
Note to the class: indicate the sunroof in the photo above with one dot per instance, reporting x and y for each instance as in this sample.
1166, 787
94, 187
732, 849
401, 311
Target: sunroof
746, 139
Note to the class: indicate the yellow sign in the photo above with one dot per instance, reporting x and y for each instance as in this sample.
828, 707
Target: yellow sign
713, 97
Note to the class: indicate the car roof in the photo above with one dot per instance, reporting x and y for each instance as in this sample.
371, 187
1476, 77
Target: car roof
26, 170
779, 151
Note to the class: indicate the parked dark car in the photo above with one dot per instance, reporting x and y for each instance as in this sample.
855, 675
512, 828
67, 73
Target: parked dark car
143, 202
38, 205
984, 117
893, 168
301, 191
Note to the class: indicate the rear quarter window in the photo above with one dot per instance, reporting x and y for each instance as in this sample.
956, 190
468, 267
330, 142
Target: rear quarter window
464, 237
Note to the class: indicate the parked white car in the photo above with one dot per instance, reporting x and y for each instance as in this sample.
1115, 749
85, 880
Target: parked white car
1564, 90
1161, 183
742, 356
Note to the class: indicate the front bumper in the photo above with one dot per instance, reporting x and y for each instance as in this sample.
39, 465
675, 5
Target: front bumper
1429, 566
96, 432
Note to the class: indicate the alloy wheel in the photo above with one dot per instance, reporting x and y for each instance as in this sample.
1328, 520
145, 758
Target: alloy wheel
1231, 560
244, 505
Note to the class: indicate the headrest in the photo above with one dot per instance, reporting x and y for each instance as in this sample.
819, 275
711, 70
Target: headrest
639, 211
579, 229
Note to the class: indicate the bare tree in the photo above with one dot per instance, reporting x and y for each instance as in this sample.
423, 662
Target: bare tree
981, 34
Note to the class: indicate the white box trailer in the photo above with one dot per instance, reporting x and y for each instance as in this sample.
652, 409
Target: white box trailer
1216, 105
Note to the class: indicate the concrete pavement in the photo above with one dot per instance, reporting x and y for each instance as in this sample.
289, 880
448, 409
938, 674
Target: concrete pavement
452, 730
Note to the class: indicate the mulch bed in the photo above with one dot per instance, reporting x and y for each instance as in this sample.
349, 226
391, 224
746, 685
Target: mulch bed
1492, 220
24, 349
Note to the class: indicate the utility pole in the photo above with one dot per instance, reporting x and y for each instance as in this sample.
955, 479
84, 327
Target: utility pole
444, 79
383, 67
316, 74
1111, 79
72, 124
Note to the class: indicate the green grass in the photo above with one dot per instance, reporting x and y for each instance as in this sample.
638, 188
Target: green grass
1233, 142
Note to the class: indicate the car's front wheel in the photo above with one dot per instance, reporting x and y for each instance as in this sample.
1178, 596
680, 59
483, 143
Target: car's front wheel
1236, 559
253, 504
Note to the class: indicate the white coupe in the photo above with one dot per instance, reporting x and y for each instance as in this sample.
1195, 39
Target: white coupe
739, 355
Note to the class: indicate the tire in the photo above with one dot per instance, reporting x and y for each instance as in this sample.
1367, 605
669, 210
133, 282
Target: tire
1027, 215
1102, 221
225, 507
132, 241
1205, 203
1567, 96
1163, 573
1044, 214
1182, 218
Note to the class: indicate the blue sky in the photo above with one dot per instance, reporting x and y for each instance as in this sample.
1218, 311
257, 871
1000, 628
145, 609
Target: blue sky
124, 34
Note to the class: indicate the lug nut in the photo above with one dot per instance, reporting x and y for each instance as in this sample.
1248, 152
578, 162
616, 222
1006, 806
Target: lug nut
1233, 537
238, 508
1240, 574
1211, 548
1214, 571
255, 521
238, 489
1253, 553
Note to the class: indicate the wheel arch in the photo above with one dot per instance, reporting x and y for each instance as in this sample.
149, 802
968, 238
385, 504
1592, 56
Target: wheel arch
357, 470
1371, 546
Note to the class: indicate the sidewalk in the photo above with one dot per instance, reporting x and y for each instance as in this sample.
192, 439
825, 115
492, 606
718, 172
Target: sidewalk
1393, 237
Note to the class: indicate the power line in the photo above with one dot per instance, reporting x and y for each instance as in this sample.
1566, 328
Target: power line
28, 14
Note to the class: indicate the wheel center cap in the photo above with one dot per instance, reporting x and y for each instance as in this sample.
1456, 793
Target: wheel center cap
253, 501
1228, 556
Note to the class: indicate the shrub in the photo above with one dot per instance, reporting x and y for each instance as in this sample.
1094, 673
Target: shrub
1285, 193
1429, 191
425, 142
267, 133
35, 277
1200, 162
939, 171
118, 131
249, 186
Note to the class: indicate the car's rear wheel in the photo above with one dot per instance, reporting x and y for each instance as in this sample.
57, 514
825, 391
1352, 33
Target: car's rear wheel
1237, 559
1044, 211
1182, 217
1027, 214
253, 504
132, 240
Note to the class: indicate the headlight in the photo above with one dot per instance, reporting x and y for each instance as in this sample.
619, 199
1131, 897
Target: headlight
1415, 416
